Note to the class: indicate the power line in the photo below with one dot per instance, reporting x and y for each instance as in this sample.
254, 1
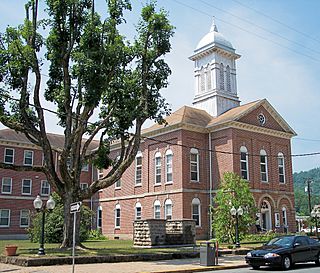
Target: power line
277, 21
250, 32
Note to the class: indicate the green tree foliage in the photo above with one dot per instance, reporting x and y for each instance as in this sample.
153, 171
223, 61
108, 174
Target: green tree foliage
101, 86
53, 231
300, 194
233, 192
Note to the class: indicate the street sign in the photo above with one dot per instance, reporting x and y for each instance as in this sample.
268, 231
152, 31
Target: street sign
75, 207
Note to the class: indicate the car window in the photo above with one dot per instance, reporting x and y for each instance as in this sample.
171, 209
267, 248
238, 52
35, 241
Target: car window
281, 241
302, 241
313, 241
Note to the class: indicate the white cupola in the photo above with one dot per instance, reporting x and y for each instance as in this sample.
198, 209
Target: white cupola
215, 74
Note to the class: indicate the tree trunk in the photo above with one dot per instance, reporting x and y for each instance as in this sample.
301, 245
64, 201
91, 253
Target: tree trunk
68, 223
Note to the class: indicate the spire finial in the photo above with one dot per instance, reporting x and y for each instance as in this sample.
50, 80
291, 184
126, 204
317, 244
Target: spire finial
213, 26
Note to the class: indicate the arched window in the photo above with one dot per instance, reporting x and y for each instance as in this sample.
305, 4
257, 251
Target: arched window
168, 209
157, 168
244, 163
138, 211
138, 176
169, 156
196, 211
99, 217
221, 76
194, 164
228, 78
281, 168
202, 81
208, 77
156, 209
263, 166
117, 216
284, 217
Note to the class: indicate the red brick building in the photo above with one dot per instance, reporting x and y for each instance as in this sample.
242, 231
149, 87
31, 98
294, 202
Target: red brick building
178, 168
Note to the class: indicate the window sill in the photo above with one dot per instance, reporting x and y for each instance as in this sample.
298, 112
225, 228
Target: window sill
117, 228
265, 182
9, 163
194, 181
6, 193
169, 183
138, 185
157, 184
25, 193
118, 188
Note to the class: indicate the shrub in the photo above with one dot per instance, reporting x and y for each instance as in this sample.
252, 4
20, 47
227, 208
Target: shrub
96, 234
53, 230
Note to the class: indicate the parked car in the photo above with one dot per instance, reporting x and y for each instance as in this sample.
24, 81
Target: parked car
284, 251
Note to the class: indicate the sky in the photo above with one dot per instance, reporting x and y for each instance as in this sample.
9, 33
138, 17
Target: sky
279, 44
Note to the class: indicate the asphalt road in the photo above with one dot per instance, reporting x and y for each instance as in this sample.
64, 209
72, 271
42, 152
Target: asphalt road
298, 268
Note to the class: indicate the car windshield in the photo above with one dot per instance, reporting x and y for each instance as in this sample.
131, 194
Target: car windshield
281, 241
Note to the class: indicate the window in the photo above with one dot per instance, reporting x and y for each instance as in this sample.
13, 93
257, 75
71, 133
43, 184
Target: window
24, 218
138, 211
202, 81
228, 76
85, 167
117, 216
138, 180
8, 155
196, 211
45, 187
244, 163
194, 164
221, 76
284, 217
4, 217
118, 184
157, 168
100, 174
28, 158
168, 209
99, 217
6, 185
83, 186
169, 156
263, 166
26, 186
156, 208
282, 177
277, 219
208, 77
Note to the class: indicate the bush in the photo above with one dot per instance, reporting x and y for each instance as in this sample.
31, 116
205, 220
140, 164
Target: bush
53, 230
260, 237
96, 234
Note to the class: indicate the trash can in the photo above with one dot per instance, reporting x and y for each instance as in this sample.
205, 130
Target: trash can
207, 254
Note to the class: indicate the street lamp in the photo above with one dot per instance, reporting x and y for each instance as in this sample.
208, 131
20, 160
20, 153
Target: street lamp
315, 213
236, 213
39, 206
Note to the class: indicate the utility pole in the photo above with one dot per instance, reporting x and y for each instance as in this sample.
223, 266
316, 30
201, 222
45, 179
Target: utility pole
308, 189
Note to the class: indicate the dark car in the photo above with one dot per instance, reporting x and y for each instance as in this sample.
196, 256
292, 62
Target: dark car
284, 251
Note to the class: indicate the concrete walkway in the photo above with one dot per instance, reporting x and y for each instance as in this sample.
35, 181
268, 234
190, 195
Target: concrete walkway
174, 266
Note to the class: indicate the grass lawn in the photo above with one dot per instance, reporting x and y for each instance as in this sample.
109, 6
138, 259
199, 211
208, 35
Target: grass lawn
26, 248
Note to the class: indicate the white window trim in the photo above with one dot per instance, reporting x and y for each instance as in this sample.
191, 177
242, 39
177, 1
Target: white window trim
118, 207
157, 155
10, 185
82, 185
168, 202
138, 183
4, 157
23, 193
196, 201
24, 158
100, 173
277, 219
168, 153
243, 149
284, 216
138, 205
9, 218
98, 218
194, 151
21, 218
156, 203
41, 187
264, 153
280, 155
85, 167
117, 187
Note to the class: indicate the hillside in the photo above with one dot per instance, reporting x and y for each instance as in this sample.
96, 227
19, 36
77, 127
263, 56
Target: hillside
301, 197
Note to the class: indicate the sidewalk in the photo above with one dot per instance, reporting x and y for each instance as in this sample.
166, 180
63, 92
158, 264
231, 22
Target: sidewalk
163, 266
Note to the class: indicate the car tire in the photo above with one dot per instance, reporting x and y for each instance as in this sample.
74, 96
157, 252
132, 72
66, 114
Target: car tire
255, 266
317, 261
286, 262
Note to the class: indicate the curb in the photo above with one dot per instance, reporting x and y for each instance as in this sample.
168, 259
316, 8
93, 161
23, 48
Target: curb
207, 268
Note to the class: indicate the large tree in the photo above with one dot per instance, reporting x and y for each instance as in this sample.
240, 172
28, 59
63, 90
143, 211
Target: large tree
101, 86
233, 192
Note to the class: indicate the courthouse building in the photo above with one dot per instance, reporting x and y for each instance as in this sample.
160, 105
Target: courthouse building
179, 165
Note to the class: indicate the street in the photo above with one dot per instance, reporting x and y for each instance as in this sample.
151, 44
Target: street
301, 268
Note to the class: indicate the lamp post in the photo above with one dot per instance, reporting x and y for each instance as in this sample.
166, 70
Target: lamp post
236, 213
315, 213
39, 206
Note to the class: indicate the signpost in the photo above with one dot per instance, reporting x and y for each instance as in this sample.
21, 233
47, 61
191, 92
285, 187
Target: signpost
74, 208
